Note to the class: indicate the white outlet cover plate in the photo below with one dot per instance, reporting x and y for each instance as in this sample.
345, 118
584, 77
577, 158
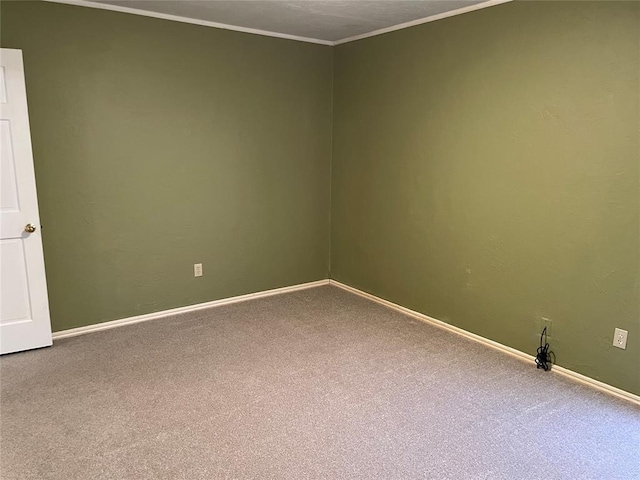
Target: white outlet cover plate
620, 338
197, 269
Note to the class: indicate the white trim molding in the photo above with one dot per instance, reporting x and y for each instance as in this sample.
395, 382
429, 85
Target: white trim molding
420, 21
189, 308
194, 21
565, 372
256, 31
617, 392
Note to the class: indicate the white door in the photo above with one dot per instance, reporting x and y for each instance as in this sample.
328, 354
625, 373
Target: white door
24, 308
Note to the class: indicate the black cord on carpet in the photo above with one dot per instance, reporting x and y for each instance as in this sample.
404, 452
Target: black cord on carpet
543, 357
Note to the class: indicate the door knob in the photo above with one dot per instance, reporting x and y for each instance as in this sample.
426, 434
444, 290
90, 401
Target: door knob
30, 228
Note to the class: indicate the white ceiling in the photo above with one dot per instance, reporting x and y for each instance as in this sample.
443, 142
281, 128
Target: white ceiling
325, 21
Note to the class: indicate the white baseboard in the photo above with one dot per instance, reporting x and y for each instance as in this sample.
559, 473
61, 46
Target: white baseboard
498, 346
412, 313
189, 308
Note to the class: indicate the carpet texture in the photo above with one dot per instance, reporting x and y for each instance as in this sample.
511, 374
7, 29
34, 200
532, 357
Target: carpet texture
317, 383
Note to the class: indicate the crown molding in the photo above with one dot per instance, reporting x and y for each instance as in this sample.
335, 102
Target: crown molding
193, 21
255, 31
420, 21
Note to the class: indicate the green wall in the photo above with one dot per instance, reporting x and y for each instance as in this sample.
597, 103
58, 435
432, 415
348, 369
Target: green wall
160, 144
486, 172
485, 168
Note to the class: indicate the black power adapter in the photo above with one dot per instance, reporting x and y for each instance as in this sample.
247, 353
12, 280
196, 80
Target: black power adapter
543, 356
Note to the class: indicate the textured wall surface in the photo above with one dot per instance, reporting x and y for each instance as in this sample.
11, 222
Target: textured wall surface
485, 168
158, 145
486, 172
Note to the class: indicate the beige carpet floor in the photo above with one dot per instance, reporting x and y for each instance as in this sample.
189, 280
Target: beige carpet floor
313, 384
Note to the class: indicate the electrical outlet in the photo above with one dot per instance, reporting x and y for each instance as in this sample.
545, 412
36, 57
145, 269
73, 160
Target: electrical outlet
197, 269
620, 338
